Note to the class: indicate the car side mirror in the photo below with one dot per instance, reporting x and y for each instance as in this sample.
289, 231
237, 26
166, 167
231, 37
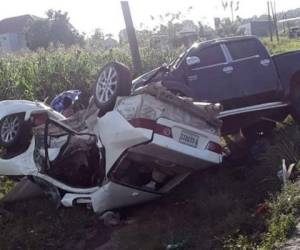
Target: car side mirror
192, 60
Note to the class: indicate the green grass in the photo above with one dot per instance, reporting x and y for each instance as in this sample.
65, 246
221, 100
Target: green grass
284, 45
283, 207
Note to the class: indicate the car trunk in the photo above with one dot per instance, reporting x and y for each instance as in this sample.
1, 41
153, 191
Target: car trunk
154, 102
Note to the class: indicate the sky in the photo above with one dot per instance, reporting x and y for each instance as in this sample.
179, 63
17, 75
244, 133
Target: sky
88, 15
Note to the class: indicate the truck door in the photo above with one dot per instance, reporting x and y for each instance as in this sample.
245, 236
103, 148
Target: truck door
253, 72
209, 78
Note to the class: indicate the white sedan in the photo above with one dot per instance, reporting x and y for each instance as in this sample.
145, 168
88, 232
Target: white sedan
149, 143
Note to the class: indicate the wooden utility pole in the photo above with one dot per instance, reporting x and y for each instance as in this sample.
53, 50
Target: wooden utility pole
274, 14
134, 48
270, 22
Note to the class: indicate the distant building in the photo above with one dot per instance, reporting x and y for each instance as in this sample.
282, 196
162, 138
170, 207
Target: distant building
12, 33
290, 26
256, 28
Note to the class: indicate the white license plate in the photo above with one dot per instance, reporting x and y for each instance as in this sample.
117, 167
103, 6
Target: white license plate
189, 138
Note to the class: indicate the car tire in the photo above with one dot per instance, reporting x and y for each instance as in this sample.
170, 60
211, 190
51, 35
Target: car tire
11, 129
253, 132
114, 80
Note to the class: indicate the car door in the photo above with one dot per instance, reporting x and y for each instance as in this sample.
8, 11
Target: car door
253, 72
209, 79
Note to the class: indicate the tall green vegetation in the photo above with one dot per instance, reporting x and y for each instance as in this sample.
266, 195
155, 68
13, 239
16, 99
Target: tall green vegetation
284, 45
44, 73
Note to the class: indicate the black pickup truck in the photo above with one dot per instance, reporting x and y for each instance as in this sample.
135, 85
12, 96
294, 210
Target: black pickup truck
239, 73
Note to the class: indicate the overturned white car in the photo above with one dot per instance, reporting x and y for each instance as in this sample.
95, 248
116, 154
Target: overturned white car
149, 143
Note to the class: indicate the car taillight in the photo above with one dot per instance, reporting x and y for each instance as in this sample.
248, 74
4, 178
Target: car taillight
214, 147
150, 124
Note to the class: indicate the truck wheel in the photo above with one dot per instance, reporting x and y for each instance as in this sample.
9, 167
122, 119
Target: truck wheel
263, 128
295, 104
114, 80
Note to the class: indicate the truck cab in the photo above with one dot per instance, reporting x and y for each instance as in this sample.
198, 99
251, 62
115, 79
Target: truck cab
237, 72
234, 72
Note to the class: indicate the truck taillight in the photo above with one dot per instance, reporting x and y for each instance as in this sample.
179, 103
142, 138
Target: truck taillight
214, 147
150, 124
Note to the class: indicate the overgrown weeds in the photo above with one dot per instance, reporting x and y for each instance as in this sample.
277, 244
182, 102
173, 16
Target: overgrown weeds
45, 73
284, 45
5, 186
283, 207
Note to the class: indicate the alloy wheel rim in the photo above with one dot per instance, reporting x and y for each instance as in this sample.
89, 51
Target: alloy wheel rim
9, 129
106, 84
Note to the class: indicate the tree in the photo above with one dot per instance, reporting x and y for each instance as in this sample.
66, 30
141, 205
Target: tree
38, 34
144, 37
206, 32
177, 26
229, 28
56, 29
97, 39
234, 6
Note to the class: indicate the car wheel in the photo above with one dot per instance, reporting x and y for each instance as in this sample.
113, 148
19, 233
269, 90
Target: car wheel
114, 80
263, 128
11, 129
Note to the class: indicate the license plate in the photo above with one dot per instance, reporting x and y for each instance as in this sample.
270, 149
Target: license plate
189, 138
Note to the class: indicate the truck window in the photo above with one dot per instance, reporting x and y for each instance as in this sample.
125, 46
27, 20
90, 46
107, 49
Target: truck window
244, 49
209, 56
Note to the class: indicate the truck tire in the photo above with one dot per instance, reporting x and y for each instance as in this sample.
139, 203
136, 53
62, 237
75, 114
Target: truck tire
114, 80
295, 104
253, 132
